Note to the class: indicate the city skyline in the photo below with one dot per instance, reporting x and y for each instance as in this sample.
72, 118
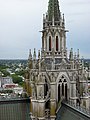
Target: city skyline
21, 21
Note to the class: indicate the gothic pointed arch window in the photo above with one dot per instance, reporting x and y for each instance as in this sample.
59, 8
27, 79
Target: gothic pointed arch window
56, 43
62, 88
50, 43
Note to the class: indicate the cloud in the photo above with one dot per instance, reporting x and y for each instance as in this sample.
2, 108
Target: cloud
21, 21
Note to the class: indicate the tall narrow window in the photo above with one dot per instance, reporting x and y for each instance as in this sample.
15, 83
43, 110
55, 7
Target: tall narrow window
49, 43
56, 43
59, 93
62, 89
66, 91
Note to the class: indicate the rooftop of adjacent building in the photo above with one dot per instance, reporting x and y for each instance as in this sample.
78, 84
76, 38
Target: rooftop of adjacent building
15, 109
71, 112
9, 110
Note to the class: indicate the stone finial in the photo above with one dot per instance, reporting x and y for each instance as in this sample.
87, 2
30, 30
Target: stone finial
63, 18
30, 54
71, 54
39, 54
82, 60
63, 21
43, 16
82, 64
78, 54
34, 55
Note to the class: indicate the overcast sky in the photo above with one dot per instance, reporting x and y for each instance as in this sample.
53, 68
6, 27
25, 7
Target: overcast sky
21, 21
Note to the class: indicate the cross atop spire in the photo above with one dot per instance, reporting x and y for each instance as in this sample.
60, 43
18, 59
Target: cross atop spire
53, 10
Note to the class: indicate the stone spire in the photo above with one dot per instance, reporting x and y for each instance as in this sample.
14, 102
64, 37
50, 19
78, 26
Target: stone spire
39, 54
34, 54
78, 55
30, 59
30, 54
53, 10
71, 54
63, 23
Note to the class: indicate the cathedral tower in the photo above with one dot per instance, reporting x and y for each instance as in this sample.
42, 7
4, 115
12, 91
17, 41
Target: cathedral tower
53, 76
54, 33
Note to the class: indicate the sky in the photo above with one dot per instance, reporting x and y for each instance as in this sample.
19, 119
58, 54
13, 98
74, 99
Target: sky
21, 22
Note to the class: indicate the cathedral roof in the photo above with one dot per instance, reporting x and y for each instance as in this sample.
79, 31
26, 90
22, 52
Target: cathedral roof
57, 60
53, 10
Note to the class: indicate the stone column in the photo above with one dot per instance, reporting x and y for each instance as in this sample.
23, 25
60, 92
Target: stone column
44, 43
30, 107
73, 92
61, 90
64, 42
60, 43
53, 43
53, 101
34, 109
53, 109
47, 40
41, 109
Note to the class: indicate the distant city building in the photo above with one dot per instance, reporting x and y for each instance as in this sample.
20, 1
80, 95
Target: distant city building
14, 109
6, 80
54, 76
17, 69
18, 90
0, 82
10, 86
